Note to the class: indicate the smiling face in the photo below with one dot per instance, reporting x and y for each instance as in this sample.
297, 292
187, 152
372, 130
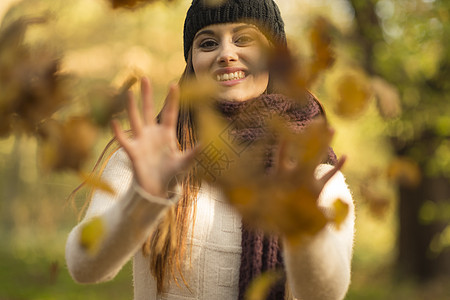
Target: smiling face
232, 56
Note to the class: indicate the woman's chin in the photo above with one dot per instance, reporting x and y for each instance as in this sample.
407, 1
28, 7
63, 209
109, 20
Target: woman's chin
237, 96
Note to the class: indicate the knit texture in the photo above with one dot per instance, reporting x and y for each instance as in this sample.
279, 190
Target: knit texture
262, 13
260, 252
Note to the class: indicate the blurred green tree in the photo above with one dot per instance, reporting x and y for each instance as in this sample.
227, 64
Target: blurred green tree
406, 44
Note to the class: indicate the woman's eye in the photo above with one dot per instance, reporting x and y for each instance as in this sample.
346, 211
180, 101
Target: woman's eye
244, 39
208, 44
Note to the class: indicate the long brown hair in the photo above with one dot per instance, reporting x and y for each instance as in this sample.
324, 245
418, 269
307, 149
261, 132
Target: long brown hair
166, 246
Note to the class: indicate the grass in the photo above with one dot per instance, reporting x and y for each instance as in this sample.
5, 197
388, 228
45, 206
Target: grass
34, 273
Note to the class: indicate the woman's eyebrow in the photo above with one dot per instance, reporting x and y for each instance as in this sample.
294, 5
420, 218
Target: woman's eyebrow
206, 31
242, 27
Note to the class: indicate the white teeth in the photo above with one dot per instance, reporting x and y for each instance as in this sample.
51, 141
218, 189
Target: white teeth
230, 76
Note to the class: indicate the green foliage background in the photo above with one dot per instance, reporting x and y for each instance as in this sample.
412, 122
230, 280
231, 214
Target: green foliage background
99, 44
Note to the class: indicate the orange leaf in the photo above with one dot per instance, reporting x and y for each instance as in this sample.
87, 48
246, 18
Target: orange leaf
95, 181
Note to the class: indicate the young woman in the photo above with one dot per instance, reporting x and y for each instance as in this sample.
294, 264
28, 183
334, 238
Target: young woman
186, 241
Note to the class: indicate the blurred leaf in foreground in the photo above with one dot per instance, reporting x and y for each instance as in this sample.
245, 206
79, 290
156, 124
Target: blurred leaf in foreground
105, 106
32, 87
277, 202
340, 212
260, 287
404, 171
294, 75
66, 146
94, 181
92, 234
353, 93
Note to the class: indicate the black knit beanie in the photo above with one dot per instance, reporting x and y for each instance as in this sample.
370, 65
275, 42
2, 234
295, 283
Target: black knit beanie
263, 13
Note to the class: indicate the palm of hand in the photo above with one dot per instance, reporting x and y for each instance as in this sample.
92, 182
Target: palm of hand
153, 149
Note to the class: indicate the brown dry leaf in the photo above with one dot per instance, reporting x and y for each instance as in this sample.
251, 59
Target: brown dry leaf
352, 95
287, 73
105, 106
293, 75
300, 215
321, 44
67, 145
388, 98
94, 181
92, 234
260, 286
281, 204
312, 144
32, 88
378, 203
196, 93
340, 212
404, 171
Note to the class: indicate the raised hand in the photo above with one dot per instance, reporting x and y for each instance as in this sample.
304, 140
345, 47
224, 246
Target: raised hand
153, 149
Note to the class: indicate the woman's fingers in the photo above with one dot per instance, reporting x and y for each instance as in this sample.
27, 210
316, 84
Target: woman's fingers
169, 114
147, 101
133, 115
121, 138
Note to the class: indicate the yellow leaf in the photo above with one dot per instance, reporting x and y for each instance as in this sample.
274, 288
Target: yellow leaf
95, 181
353, 95
404, 171
320, 39
259, 288
92, 234
340, 212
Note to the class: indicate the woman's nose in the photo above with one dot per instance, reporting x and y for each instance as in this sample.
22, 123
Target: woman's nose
227, 53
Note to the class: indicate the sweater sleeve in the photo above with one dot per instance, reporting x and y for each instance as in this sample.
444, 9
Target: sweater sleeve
126, 219
320, 268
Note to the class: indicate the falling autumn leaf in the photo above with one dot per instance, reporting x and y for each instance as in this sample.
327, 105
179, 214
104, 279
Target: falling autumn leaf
378, 203
340, 212
106, 105
279, 203
321, 44
352, 95
197, 93
293, 75
259, 287
94, 181
32, 86
404, 171
67, 145
92, 234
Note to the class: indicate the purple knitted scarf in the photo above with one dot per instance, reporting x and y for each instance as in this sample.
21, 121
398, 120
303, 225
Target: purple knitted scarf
261, 252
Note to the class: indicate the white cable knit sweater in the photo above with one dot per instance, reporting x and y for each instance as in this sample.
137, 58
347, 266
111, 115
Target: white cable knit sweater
318, 270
